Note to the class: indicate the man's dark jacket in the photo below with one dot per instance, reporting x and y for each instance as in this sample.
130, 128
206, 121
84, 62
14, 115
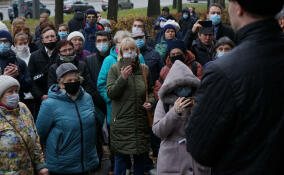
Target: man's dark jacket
23, 77
38, 66
225, 30
94, 63
153, 61
236, 126
77, 22
185, 25
203, 54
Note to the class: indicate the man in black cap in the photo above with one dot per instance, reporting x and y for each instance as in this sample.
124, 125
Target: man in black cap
236, 125
203, 46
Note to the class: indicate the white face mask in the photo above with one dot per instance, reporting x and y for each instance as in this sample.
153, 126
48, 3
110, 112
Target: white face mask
23, 52
136, 29
12, 100
131, 55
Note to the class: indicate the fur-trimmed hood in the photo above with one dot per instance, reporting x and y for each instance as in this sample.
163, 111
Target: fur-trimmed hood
179, 75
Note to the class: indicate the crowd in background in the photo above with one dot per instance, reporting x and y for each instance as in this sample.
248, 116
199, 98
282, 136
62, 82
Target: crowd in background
198, 98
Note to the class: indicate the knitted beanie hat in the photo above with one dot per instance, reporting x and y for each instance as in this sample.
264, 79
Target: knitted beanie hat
74, 34
7, 82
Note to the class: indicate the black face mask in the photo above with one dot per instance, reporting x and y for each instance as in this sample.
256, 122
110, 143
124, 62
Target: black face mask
91, 22
177, 57
72, 88
50, 45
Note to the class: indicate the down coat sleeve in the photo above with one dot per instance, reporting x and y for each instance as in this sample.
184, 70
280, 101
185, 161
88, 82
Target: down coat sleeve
164, 123
212, 117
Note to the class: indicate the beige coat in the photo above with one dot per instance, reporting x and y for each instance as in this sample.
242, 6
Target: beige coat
173, 158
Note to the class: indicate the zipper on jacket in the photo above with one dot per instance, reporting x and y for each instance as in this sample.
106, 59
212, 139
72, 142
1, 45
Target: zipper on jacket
82, 136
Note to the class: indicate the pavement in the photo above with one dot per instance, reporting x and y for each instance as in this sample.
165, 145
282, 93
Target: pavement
96, 3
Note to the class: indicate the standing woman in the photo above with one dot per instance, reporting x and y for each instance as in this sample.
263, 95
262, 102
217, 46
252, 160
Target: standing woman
129, 129
20, 150
66, 125
171, 115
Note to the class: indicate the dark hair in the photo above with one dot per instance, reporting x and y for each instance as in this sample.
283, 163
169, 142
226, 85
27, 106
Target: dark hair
63, 25
140, 20
261, 8
47, 24
62, 43
166, 9
216, 5
103, 33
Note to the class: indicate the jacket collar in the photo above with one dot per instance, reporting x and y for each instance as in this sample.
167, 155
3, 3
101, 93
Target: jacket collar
258, 30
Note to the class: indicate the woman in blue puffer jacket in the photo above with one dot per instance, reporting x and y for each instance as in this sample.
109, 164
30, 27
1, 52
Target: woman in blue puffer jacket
67, 125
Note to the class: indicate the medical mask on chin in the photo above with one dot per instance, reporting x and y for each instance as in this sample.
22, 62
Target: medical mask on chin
12, 101
216, 19
67, 58
102, 47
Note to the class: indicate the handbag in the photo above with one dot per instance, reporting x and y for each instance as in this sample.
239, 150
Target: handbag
150, 113
25, 143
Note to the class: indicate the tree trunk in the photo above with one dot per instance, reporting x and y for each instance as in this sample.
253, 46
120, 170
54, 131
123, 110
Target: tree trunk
58, 12
179, 5
153, 8
221, 2
36, 9
112, 10
174, 4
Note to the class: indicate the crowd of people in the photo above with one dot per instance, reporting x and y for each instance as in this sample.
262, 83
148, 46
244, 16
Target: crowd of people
200, 98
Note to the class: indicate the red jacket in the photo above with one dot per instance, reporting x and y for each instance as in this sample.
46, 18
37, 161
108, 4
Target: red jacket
190, 57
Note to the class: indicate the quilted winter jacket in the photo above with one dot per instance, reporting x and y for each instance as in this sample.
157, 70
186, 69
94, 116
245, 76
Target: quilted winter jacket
102, 79
129, 128
68, 129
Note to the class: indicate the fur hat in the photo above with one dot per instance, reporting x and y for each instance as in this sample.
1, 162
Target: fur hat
7, 82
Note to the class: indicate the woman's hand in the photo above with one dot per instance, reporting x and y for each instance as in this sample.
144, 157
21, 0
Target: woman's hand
43, 171
126, 72
196, 27
181, 104
147, 106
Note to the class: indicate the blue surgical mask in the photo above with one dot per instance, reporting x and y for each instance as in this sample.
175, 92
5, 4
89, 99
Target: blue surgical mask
140, 43
185, 16
219, 54
62, 35
183, 91
12, 101
4, 47
216, 19
102, 47
107, 29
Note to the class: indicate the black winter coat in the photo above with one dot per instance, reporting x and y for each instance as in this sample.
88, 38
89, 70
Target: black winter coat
77, 22
224, 30
153, 61
236, 125
23, 77
38, 66
203, 54
185, 25
94, 63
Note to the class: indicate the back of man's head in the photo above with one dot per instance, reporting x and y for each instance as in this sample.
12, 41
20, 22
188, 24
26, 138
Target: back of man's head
261, 8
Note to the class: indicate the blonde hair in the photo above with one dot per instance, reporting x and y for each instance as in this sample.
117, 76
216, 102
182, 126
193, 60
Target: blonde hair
17, 23
126, 42
21, 36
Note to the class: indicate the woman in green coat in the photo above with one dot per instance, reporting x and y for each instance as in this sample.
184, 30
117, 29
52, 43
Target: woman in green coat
129, 129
